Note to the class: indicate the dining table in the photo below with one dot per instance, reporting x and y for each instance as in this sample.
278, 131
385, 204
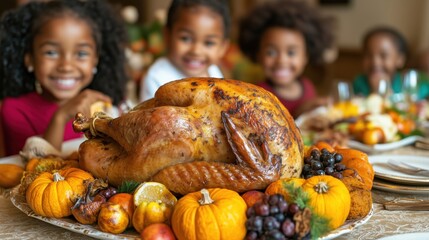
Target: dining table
15, 224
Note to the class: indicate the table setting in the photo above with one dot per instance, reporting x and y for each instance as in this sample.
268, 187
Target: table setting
399, 191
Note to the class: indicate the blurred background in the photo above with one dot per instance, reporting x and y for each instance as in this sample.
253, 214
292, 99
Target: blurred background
354, 17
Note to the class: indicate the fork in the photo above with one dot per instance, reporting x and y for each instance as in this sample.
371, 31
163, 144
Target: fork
407, 168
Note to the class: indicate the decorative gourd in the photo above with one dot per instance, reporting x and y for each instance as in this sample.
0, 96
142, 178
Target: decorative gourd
10, 175
149, 213
210, 214
279, 187
329, 197
360, 198
357, 160
53, 194
49, 164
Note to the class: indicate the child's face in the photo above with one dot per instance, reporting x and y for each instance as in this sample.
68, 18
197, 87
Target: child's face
196, 40
381, 58
282, 54
63, 57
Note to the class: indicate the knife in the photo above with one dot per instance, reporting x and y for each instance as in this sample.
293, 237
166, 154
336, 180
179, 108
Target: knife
407, 204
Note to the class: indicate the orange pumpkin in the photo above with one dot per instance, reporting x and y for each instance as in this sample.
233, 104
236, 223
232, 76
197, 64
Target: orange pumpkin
329, 197
210, 214
53, 194
10, 175
358, 161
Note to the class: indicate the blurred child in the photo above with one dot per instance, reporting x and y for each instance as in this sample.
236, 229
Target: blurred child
385, 53
57, 59
196, 38
283, 37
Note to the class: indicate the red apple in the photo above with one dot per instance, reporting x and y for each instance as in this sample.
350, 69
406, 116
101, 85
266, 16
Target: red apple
253, 196
157, 231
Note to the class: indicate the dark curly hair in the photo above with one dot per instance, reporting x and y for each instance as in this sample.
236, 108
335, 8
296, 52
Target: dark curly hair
294, 15
19, 27
397, 38
219, 6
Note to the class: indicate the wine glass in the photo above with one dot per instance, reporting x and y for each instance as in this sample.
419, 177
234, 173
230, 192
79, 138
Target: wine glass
410, 90
410, 86
384, 90
343, 91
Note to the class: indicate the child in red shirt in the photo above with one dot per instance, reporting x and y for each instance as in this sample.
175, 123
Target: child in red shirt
57, 59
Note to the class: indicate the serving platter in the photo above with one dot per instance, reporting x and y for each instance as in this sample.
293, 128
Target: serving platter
18, 200
384, 171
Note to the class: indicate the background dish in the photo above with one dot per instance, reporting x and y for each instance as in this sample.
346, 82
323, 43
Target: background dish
397, 188
385, 146
383, 171
68, 147
19, 201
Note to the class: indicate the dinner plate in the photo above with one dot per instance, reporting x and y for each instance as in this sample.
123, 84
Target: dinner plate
414, 236
18, 200
383, 146
398, 188
383, 171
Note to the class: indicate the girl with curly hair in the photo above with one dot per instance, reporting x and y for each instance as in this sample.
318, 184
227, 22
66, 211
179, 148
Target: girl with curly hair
57, 58
283, 37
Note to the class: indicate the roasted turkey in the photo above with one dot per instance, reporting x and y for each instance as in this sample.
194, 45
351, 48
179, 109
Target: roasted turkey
196, 133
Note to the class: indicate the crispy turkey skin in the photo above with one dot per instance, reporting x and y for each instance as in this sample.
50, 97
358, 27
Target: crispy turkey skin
196, 133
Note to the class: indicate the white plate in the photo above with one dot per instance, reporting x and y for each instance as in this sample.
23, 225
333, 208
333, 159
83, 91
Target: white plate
19, 201
68, 147
384, 146
383, 171
403, 236
398, 188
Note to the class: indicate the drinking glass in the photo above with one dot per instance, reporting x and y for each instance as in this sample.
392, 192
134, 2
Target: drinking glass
343, 91
410, 86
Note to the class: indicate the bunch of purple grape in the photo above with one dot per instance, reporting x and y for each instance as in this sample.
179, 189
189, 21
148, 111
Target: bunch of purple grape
272, 218
323, 163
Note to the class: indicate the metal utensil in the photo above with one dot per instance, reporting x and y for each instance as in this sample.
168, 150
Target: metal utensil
407, 168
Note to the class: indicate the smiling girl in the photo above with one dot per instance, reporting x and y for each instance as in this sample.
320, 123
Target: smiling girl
57, 59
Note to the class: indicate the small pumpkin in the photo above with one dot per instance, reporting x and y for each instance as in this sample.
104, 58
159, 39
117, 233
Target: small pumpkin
329, 197
53, 194
279, 187
357, 160
210, 214
10, 175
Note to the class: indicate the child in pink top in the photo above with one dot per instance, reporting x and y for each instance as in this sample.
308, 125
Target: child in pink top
283, 37
57, 59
